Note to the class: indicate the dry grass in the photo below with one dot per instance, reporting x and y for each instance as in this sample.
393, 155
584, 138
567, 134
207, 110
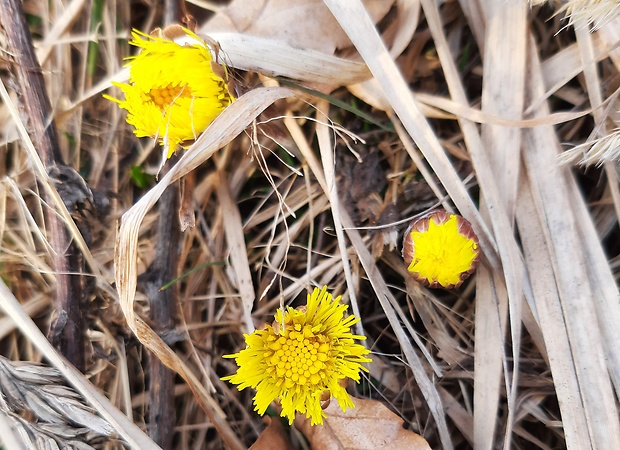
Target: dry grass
475, 102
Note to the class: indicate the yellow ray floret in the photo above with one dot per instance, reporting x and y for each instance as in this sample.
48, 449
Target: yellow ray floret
306, 353
173, 92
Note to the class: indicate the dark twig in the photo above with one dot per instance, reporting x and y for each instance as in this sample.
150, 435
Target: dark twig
65, 259
163, 302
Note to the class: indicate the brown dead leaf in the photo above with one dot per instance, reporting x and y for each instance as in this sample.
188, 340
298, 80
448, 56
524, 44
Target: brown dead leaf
274, 437
305, 24
368, 426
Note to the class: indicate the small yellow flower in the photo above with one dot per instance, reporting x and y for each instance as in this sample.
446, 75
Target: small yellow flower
173, 92
306, 352
441, 249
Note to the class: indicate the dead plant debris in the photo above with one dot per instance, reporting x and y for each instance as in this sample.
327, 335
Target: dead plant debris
350, 120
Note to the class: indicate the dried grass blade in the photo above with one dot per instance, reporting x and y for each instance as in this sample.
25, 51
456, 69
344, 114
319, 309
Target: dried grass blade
224, 129
10, 436
120, 77
489, 356
601, 278
275, 58
550, 189
3, 195
30, 222
44, 179
502, 95
328, 160
463, 111
503, 91
551, 319
608, 310
61, 23
306, 150
128, 430
383, 294
511, 259
406, 24
420, 164
386, 299
34, 307
460, 416
233, 229
610, 35
355, 21
566, 64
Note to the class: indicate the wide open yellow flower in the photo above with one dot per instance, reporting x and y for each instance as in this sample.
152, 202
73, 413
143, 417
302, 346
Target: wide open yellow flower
441, 249
305, 353
173, 92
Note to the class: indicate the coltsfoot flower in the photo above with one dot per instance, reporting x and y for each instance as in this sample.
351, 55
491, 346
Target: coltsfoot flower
441, 249
305, 353
174, 89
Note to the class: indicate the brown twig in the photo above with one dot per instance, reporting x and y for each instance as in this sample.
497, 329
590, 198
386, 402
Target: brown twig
65, 259
163, 302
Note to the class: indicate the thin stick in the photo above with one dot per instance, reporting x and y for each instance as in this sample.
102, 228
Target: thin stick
65, 259
163, 302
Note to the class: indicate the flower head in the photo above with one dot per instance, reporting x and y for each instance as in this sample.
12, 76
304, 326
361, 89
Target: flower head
173, 92
305, 353
441, 249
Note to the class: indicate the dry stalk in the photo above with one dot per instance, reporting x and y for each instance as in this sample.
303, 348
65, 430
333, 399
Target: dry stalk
44, 412
68, 328
163, 302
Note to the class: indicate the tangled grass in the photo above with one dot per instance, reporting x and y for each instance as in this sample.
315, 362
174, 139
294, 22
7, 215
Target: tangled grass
313, 184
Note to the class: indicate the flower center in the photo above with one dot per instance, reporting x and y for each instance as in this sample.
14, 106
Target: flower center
297, 357
165, 96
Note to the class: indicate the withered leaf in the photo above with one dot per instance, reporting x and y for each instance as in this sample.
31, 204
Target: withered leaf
274, 437
368, 426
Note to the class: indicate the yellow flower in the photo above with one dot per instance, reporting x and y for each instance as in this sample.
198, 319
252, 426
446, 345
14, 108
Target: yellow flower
306, 352
173, 92
441, 249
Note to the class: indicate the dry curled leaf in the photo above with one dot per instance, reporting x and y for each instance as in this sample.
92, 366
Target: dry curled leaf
274, 437
370, 425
